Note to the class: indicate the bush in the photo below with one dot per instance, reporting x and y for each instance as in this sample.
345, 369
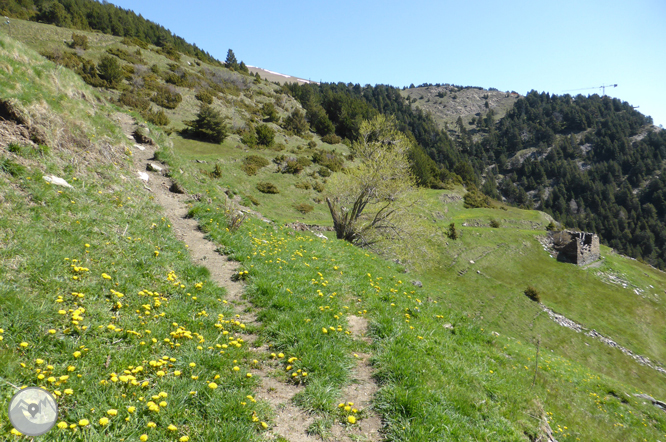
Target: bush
269, 112
134, 100
303, 185
331, 139
474, 199
291, 164
166, 97
133, 41
217, 171
551, 226
252, 199
209, 125
124, 55
319, 187
331, 160
452, 233
204, 96
256, 160
495, 223
296, 122
265, 135
158, 118
249, 138
249, 169
532, 293
324, 172
110, 70
79, 41
312, 144
253, 163
304, 208
266, 187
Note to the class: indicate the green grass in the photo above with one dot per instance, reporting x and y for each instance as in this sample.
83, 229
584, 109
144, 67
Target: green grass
94, 285
229, 157
460, 384
455, 360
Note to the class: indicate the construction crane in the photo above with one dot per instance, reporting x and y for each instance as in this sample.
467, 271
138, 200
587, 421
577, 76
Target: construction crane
602, 87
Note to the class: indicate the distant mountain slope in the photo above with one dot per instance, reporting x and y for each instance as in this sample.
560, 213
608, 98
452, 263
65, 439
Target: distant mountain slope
446, 103
592, 162
277, 77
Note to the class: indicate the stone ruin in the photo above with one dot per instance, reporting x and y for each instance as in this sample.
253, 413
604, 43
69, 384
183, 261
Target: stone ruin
580, 248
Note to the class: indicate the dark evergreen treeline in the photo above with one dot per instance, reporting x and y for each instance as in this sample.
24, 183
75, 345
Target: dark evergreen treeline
105, 17
593, 167
339, 108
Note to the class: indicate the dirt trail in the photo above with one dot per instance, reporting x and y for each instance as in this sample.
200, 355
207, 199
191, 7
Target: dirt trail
361, 391
291, 423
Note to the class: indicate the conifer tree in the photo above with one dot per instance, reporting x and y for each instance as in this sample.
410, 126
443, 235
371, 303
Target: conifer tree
231, 62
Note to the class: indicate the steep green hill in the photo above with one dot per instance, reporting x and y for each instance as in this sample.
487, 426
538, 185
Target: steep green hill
101, 304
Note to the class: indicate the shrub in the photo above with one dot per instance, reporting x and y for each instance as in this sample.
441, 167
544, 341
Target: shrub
293, 165
303, 185
133, 41
79, 41
269, 112
331, 160
331, 139
324, 172
296, 122
452, 233
551, 226
265, 135
166, 97
110, 70
304, 208
253, 163
495, 223
257, 161
217, 171
249, 138
158, 118
204, 96
252, 199
532, 293
209, 125
312, 144
266, 187
134, 100
474, 199
249, 169
127, 56
319, 187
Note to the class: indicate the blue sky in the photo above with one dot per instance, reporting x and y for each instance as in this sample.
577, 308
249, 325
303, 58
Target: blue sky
552, 46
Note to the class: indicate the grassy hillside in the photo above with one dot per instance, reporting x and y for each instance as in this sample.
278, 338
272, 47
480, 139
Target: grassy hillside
100, 304
96, 303
485, 325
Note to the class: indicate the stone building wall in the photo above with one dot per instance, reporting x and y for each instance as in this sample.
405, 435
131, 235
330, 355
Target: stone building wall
580, 248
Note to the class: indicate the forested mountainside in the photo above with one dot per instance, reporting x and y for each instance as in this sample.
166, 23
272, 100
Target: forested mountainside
592, 162
101, 16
